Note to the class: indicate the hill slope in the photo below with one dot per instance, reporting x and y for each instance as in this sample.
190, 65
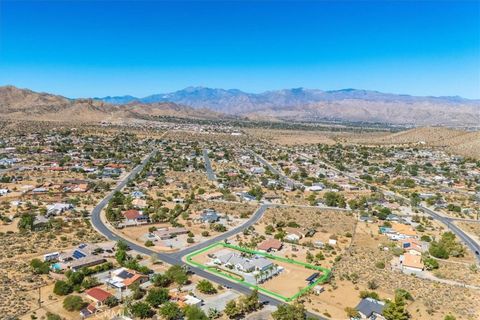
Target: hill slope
460, 142
25, 104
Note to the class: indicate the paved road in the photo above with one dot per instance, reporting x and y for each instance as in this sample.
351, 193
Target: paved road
208, 166
250, 222
471, 244
274, 170
176, 258
464, 220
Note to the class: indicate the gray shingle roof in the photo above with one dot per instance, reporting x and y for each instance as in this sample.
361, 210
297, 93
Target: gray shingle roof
368, 306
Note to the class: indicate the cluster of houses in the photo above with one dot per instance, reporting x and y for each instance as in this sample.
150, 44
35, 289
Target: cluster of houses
117, 284
411, 260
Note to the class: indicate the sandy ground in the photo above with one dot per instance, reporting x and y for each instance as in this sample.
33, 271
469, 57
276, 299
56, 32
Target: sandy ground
11, 227
290, 281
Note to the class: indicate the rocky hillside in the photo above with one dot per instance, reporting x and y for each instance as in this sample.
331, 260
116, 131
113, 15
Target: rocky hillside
23, 104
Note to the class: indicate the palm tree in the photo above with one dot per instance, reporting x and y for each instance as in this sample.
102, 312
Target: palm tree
256, 275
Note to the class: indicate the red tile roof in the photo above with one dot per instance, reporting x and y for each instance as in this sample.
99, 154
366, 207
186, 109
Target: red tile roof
270, 244
98, 294
131, 214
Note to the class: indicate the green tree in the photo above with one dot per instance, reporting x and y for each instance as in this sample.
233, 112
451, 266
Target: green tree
294, 311
53, 316
250, 303
149, 243
170, 311
369, 294
194, 313
205, 286
89, 282
213, 313
161, 280
26, 222
157, 296
334, 199
111, 301
403, 294
121, 256
62, 288
177, 274
447, 246
256, 192
395, 310
75, 278
232, 310
40, 267
73, 303
137, 291
141, 310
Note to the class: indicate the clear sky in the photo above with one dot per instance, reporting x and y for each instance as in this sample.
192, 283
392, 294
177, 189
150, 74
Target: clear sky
98, 48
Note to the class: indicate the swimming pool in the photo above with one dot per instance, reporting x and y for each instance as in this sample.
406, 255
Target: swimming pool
57, 266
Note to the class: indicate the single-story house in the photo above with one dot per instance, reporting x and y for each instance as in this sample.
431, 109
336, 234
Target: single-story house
370, 308
97, 295
168, 233
58, 208
137, 194
411, 263
293, 234
235, 260
88, 311
134, 216
123, 278
209, 216
270, 245
86, 262
413, 246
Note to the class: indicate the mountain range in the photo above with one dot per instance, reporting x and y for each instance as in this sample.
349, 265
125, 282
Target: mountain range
301, 104
281, 105
24, 104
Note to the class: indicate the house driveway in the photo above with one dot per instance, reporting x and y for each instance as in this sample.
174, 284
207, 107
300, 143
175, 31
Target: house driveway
219, 301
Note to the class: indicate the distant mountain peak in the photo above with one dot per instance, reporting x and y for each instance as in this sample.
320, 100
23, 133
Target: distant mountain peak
296, 104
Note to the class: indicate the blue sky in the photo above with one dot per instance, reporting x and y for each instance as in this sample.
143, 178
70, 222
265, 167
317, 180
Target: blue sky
98, 48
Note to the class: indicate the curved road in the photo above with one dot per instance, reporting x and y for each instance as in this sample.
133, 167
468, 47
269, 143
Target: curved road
176, 257
469, 242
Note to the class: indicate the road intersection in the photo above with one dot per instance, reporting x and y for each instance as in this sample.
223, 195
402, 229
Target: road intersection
176, 258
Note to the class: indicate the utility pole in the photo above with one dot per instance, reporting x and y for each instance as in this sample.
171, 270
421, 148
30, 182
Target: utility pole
39, 298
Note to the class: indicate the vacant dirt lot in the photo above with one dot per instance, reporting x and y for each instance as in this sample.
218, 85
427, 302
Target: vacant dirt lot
330, 221
433, 300
290, 281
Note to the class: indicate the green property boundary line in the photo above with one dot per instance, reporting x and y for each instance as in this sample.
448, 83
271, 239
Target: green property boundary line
325, 272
